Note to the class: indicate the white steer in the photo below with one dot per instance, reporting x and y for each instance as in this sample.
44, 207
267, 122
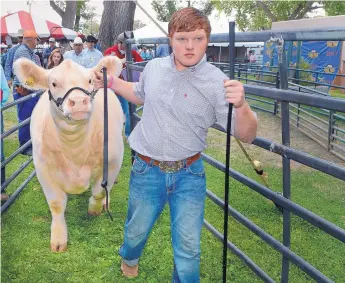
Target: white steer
67, 128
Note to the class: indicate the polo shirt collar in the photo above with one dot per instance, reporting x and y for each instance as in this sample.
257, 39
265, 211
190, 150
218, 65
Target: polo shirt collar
191, 69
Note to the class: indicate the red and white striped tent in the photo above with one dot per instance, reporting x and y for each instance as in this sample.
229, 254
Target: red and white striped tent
11, 23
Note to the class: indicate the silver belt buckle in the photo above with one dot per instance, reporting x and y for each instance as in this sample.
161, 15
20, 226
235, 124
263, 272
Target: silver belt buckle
170, 166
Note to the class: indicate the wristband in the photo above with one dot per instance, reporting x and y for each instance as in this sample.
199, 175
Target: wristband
110, 81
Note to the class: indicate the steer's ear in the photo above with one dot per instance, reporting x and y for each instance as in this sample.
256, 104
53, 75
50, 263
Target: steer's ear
112, 63
30, 75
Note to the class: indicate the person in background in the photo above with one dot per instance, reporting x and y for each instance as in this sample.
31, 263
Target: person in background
119, 50
162, 50
39, 54
24, 109
183, 96
55, 58
98, 47
252, 57
9, 60
48, 50
4, 94
76, 54
92, 56
4, 54
145, 54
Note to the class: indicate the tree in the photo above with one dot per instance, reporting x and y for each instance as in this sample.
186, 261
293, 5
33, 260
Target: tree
66, 10
259, 15
81, 7
90, 24
117, 17
138, 24
334, 8
91, 27
166, 8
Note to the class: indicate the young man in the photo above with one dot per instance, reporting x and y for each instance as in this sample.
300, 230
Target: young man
119, 50
91, 55
183, 96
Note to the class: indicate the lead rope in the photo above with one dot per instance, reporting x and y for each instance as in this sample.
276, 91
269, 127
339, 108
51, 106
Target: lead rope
227, 160
104, 183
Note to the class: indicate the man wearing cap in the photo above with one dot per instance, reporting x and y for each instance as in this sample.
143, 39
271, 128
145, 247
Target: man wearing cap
9, 59
119, 49
24, 109
49, 50
91, 55
76, 54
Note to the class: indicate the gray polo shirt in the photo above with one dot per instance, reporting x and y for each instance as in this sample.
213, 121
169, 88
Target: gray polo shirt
179, 108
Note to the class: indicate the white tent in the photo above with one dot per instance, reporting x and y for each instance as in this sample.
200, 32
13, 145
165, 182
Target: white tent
151, 30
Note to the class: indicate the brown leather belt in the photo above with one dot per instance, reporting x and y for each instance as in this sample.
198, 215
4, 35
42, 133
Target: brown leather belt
171, 166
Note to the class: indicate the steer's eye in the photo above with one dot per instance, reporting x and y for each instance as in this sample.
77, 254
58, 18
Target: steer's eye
54, 84
89, 81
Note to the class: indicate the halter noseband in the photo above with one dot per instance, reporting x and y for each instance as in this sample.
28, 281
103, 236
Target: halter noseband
59, 101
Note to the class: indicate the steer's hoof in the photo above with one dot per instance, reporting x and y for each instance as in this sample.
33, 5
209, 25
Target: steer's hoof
94, 213
58, 248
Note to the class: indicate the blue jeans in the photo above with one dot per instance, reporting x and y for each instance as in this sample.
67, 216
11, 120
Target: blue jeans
185, 191
3, 176
24, 111
125, 108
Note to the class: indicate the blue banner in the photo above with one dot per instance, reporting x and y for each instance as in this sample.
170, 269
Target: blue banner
321, 56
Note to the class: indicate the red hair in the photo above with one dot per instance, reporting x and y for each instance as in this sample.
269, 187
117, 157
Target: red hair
189, 19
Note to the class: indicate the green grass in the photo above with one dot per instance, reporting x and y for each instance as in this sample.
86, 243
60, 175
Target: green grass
94, 241
337, 93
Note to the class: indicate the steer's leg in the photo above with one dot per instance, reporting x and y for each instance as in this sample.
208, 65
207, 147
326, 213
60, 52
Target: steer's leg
98, 199
57, 200
95, 201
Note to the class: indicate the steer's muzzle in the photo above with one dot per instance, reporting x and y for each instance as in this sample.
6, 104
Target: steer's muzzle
77, 107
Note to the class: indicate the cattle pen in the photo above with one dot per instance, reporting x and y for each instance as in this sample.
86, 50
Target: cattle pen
284, 97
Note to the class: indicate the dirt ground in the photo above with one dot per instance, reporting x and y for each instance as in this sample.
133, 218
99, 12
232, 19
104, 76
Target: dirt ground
269, 127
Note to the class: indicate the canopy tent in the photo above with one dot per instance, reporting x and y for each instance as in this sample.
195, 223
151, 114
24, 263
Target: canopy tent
151, 30
11, 23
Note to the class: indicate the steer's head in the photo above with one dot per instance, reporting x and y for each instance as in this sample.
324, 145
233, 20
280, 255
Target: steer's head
69, 84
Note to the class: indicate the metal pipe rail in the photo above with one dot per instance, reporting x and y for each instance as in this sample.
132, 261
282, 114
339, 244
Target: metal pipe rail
20, 100
17, 192
309, 122
14, 154
287, 204
15, 128
16, 173
252, 265
267, 238
308, 114
317, 83
322, 34
304, 158
292, 96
